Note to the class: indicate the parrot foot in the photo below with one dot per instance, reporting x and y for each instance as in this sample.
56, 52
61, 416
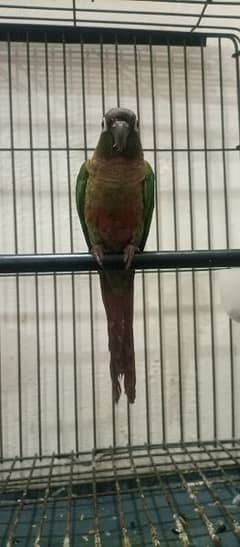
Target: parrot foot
129, 253
98, 253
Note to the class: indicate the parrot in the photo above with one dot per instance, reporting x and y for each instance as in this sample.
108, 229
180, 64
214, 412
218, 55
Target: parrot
115, 201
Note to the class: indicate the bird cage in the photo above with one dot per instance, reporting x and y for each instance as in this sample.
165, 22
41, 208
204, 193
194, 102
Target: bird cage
75, 468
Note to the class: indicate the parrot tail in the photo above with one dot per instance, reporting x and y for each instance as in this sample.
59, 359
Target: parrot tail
119, 310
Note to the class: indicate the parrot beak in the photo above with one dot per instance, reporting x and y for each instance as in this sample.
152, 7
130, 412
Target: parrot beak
120, 131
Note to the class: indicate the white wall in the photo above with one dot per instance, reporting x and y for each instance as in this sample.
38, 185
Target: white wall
10, 324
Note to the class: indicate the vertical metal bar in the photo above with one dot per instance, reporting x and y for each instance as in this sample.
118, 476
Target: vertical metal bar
68, 523
157, 190
53, 244
19, 367
122, 524
226, 203
74, 13
118, 104
192, 242
102, 75
1, 417
211, 530
179, 521
103, 112
209, 242
223, 142
19, 361
40, 524
75, 392
238, 107
232, 380
236, 56
143, 274
11, 540
128, 405
176, 246
117, 70
97, 536
35, 248
148, 431
90, 275
152, 529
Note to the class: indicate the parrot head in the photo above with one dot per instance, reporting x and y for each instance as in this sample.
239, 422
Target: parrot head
120, 134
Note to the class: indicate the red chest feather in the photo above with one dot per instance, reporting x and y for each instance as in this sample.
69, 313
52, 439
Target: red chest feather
114, 227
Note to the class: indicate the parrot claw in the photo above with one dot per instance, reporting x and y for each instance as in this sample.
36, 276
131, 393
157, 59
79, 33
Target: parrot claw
97, 251
129, 253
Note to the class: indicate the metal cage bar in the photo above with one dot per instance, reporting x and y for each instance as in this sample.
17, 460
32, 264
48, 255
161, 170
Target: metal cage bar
90, 277
84, 263
64, 262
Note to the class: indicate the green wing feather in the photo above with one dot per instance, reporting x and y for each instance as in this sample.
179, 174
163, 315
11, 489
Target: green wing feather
148, 200
80, 199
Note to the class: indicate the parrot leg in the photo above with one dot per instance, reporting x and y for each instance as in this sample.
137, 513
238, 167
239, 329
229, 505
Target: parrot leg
129, 253
98, 253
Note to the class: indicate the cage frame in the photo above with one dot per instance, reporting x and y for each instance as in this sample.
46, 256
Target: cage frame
228, 451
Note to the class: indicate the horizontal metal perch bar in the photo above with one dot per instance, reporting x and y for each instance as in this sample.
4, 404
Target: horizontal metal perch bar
149, 260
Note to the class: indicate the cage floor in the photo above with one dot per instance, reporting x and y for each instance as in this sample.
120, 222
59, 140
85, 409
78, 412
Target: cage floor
138, 496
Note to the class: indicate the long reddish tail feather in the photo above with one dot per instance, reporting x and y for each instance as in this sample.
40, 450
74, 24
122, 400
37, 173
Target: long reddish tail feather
119, 311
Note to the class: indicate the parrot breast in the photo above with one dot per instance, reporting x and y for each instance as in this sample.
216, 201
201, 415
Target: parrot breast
114, 200
115, 229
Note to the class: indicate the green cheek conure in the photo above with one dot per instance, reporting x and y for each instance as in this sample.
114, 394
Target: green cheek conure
115, 197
